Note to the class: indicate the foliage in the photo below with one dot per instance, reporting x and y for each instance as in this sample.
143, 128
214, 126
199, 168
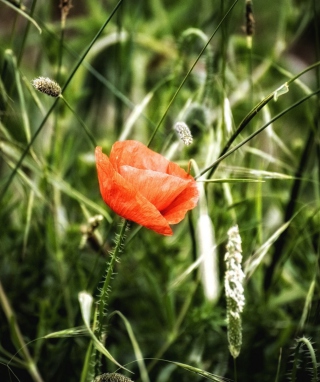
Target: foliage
132, 70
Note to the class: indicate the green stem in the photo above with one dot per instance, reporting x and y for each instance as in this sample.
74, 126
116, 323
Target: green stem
25, 34
104, 292
85, 128
235, 369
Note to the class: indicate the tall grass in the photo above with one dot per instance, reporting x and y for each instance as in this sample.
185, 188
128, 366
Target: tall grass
132, 70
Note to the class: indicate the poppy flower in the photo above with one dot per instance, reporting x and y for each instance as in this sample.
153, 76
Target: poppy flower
143, 186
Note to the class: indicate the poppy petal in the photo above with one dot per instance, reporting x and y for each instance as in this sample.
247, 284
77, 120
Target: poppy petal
137, 155
124, 199
160, 189
186, 201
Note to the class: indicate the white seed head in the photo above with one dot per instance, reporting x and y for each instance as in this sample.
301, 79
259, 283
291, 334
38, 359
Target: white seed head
184, 133
46, 86
234, 290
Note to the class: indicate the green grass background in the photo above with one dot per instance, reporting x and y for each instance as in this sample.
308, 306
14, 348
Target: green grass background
122, 90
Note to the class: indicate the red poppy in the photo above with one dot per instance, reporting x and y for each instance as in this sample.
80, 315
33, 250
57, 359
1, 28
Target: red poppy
143, 186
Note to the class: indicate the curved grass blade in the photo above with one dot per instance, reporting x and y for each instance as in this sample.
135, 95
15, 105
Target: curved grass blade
136, 348
85, 301
22, 13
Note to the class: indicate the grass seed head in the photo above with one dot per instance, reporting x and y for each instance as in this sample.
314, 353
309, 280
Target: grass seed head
234, 290
184, 133
46, 86
112, 377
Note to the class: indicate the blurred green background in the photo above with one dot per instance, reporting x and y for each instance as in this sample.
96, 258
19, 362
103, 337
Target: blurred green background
120, 91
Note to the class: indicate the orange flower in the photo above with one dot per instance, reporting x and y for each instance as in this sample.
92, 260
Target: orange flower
143, 186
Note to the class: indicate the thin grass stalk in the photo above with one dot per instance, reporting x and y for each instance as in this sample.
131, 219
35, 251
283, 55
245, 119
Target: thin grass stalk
28, 222
259, 211
17, 337
195, 370
86, 365
189, 72
25, 34
83, 125
251, 115
37, 132
60, 52
62, 271
21, 11
289, 211
209, 63
24, 113
279, 366
56, 134
308, 302
215, 164
235, 373
120, 75
224, 50
13, 26
249, 33
138, 354
175, 331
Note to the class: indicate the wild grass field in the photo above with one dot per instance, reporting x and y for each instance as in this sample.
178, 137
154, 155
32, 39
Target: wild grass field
91, 279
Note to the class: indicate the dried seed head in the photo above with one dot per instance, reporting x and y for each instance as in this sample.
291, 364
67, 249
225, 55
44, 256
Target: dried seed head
94, 221
65, 6
249, 18
89, 235
46, 86
112, 377
249, 23
184, 133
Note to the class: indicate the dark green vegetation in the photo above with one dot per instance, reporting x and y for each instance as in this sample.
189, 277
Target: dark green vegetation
118, 85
